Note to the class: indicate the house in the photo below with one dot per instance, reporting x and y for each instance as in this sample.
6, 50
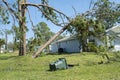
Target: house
2, 50
67, 44
71, 44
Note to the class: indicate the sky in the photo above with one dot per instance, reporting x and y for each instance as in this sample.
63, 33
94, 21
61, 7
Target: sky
64, 6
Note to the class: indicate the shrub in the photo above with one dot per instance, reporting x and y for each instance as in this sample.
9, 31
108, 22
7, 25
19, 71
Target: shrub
102, 48
92, 47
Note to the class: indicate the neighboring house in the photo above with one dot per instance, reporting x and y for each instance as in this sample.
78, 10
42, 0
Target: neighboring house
116, 44
71, 44
2, 50
10, 50
115, 31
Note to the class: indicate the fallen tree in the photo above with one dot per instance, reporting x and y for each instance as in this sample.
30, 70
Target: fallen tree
57, 34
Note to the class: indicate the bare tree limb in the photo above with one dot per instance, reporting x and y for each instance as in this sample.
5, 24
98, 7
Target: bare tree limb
90, 4
13, 19
62, 20
74, 10
37, 5
49, 17
30, 18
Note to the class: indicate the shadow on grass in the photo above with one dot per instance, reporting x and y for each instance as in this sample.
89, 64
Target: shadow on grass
115, 59
63, 53
69, 66
7, 57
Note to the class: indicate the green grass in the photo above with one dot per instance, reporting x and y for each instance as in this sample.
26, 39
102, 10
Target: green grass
13, 67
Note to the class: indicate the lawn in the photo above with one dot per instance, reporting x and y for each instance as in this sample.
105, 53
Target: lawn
13, 67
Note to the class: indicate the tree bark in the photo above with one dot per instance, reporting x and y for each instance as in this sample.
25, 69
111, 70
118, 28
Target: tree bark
49, 41
22, 25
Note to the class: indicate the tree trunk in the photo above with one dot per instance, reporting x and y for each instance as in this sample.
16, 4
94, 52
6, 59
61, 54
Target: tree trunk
49, 41
84, 45
22, 25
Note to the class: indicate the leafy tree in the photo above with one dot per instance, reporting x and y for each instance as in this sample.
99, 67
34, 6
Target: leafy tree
42, 34
107, 12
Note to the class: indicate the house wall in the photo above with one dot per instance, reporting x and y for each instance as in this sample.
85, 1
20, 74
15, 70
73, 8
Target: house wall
54, 47
116, 44
68, 46
98, 42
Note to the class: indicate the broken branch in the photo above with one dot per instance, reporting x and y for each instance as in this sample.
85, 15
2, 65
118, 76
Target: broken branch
37, 5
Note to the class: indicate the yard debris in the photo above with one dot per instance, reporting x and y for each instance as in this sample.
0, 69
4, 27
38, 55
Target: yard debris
61, 63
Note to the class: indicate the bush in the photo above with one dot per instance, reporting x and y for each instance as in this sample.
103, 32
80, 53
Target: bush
102, 48
92, 47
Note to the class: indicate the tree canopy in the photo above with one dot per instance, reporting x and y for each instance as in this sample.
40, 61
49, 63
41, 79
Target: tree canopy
107, 12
